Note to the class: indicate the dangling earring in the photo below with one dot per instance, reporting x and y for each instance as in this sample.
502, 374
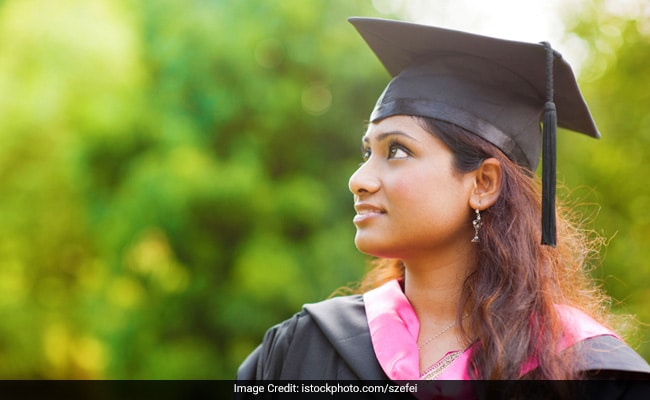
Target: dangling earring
477, 223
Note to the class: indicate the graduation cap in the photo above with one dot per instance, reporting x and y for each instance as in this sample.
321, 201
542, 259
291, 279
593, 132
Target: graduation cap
498, 89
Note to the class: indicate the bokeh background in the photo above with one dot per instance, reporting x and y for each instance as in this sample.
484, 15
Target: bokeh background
173, 173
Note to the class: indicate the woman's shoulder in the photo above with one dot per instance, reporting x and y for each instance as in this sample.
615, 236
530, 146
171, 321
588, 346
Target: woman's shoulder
613, 369
334, 326
609, 356
338, 311
332, 310
335, 317
601, 350
335, 309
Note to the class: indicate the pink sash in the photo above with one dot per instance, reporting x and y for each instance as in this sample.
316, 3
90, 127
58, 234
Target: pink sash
394, 328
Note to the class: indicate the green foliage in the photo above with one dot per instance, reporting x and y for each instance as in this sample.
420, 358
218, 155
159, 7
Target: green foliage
614, 80
173, 178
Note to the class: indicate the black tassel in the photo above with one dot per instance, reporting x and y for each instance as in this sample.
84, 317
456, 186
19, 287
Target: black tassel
548, 176
549, 234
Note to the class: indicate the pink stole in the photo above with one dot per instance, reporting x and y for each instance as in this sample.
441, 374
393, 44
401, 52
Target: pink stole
394, 328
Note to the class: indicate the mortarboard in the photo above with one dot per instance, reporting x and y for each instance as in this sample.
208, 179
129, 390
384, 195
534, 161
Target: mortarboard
498, 89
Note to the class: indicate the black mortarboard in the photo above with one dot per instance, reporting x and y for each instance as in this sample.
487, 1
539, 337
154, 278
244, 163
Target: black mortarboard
500, 90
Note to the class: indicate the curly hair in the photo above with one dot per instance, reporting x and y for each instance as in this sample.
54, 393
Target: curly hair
511, 293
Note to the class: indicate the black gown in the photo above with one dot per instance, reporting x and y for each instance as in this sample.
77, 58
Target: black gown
330, 341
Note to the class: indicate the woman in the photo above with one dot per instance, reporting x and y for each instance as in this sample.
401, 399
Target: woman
447, 202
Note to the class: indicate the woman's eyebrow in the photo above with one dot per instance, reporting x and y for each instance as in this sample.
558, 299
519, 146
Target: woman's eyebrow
385, 135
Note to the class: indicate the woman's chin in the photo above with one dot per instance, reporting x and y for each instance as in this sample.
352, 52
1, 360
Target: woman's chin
372, 246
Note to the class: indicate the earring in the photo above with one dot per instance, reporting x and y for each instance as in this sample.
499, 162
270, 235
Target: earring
477, 223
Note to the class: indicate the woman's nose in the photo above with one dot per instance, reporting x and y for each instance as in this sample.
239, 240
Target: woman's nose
364, 180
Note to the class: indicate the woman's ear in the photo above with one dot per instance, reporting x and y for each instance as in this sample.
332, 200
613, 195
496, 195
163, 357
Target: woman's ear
487, 184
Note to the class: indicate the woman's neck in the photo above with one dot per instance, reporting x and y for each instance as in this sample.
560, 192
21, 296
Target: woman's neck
434, 286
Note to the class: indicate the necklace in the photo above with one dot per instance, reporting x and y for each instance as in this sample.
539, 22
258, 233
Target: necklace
437, 335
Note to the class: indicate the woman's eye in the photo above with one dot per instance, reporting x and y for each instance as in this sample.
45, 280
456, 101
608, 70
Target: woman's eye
397, 151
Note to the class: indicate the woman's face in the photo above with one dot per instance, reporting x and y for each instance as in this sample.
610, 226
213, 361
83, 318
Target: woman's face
409, 199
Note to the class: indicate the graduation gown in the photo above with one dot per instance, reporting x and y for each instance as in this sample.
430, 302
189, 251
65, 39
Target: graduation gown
331, 340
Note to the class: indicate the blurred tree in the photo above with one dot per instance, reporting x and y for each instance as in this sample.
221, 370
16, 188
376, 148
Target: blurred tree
173, 179
615, 77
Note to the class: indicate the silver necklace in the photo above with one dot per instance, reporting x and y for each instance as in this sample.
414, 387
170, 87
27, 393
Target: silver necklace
432, 338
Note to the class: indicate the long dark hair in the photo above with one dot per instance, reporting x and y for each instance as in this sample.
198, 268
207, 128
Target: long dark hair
512, 293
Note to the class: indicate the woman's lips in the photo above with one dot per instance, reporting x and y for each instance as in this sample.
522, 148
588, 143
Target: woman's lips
366, 212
